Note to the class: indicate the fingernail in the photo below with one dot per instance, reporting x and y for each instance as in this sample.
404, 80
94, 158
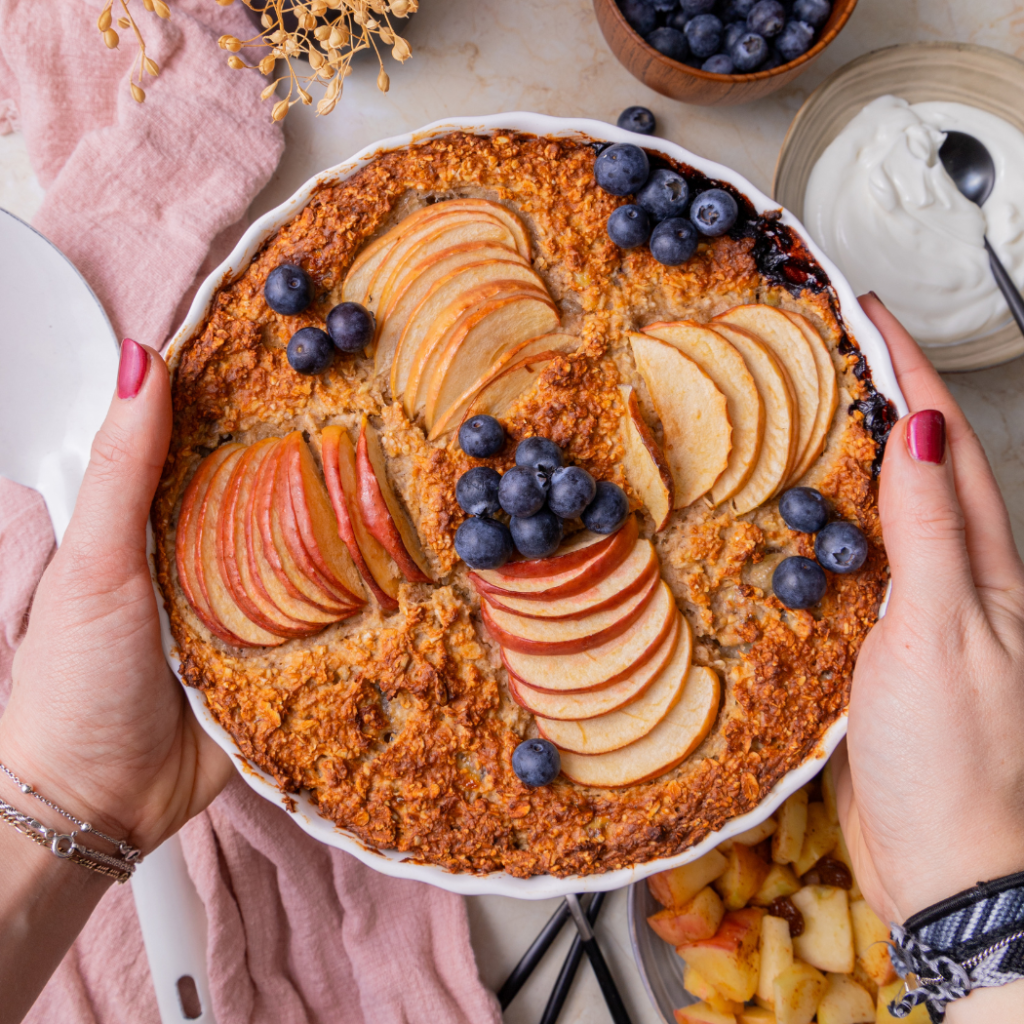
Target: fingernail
131, 371
926, 435
874, 295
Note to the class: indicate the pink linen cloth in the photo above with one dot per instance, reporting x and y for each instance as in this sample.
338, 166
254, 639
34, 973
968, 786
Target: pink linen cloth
146, 199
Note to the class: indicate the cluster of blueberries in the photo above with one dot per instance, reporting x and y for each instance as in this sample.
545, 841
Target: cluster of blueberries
728, 37
350, 327
839, 546
663, 215
538, 493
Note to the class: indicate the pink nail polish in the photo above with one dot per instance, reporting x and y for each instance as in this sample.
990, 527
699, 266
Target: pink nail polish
926, 435
131, 371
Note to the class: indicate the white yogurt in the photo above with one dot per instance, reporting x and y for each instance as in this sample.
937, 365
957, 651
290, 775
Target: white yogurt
880, 203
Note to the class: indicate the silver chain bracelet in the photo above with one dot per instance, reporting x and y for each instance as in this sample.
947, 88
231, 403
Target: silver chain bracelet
66, 845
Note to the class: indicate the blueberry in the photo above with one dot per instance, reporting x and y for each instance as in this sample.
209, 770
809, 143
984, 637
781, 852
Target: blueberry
799, 582
621, 169
662, 5
678, 20
766, 18
814, 12
476, 491
481, 437
572, 490
731, 34
674, 241
664, 195
794, 40
749, 51
774, 60
718, 64
483, 543
737, 10
670, 42
841, 547
629, 226
536, 536
714, 212
310, 351
536, 762
695, 7
538, 453
288, 290
637, 119
804, 509
704, 35
350, 326
609, 509
523, 491
642, 17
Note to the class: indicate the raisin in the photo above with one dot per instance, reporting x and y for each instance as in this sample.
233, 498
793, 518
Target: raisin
783, 906
834, 872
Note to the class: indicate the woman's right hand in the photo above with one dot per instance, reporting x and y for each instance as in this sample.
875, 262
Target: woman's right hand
932, 799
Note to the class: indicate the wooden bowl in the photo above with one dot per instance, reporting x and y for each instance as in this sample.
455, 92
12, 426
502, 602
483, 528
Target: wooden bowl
691, 85
917, 72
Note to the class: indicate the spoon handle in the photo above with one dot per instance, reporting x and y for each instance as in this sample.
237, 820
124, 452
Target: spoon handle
1013, 297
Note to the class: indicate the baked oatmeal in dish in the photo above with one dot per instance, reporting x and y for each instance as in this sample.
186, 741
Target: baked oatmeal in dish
307, 516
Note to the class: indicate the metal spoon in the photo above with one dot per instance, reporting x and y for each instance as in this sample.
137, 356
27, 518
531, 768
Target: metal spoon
973, 171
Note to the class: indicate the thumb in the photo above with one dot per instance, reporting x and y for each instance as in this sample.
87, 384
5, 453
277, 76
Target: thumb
108, 528
922, 522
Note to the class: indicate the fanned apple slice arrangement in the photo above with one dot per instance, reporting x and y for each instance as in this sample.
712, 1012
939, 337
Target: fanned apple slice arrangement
745, 402
462, 317
266, 553
597, 650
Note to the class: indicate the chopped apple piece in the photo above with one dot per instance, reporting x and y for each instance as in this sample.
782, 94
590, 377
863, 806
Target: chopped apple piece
752, 836
742, 878
776, 955
841, 852
798, 990
820, 838
698, 919
702, 1013
871, 943
698, 986
828, 792
677, 886
730, 959
827, 938
384, 516
864, 980
845, 1002
781, 880
890, 993
788, 840
644, 463
755, 1015
693, 413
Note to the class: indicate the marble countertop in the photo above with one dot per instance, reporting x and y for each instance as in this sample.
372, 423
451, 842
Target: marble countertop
485, 56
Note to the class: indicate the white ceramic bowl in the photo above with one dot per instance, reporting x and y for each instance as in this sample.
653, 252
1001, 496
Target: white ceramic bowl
304, 813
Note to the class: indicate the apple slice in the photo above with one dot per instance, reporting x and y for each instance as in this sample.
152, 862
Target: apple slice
725, 366
578, 549
780, 419
568, 707
185, 542
234, 560
511, 376
644, 462
384, 516
600, 666
211, 582
420, 282
620, 728
635, 573
565, 636
789, 346
375, 565
366, 264
440, 310
670, 742
828, 393
472, 347
693, 413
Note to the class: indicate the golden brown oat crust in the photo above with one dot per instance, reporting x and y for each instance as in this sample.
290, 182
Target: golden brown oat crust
402, 726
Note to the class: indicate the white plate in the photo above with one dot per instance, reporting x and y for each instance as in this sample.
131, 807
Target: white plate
305, 815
